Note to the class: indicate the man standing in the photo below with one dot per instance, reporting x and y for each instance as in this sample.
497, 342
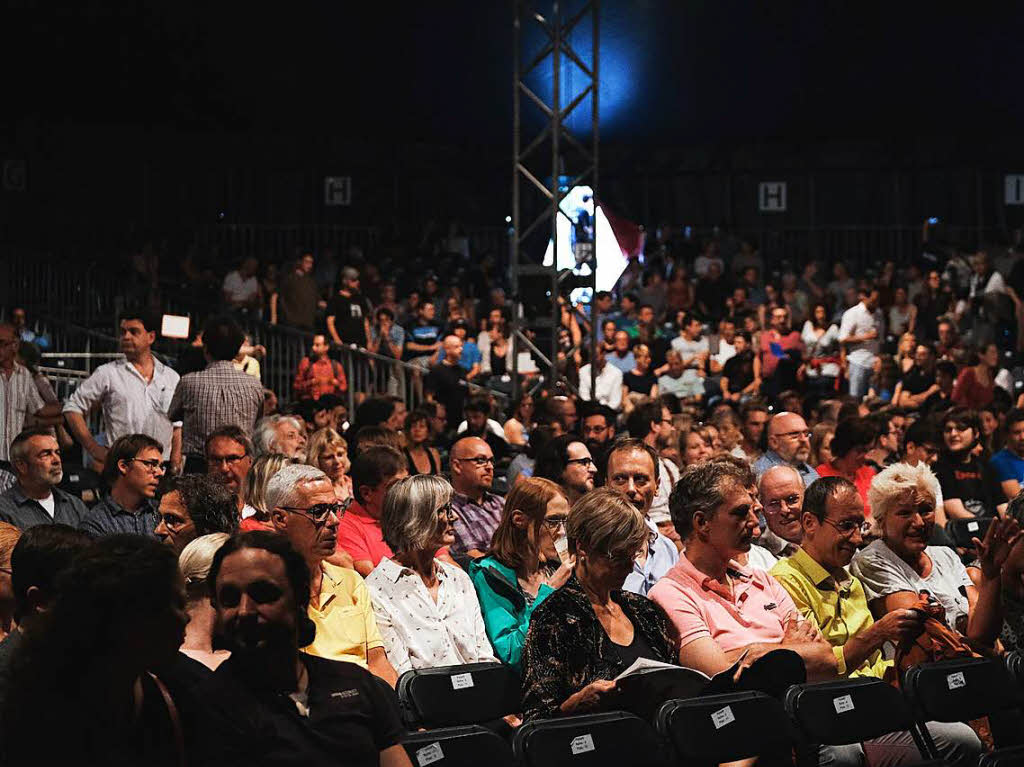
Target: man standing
241, 288
859, 331
447, 381
819, 582
478, 509
297, 298
789, 443
348, 313
722, 611
217, 396
647, 423
133, 470
194, 505
633, 470
229, 457
781, 492
607, 385
304, 509
373, 473
35, 499
134, 394
18, 394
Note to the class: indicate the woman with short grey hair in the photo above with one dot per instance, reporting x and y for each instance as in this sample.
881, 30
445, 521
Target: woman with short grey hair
426, 609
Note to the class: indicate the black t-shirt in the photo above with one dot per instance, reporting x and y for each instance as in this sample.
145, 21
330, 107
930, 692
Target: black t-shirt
972, 482
447, 382
641, 384
916, 380
739, 369
351, 719
350, 314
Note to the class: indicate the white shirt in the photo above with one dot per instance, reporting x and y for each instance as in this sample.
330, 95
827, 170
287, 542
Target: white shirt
19, 397
857, 321
239, 290
726, 352
49, 504
419, 633
129, 404
759, 558
668, 475
608, 385
826, 346
492, 426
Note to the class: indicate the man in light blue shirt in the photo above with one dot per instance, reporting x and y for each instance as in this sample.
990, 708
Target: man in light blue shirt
633, 470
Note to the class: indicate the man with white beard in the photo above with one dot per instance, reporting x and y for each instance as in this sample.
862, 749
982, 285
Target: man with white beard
35, 499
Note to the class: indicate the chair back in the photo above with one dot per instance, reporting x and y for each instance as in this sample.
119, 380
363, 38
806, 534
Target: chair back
467, 746
448, 696
847, 711
958, 690
612, 739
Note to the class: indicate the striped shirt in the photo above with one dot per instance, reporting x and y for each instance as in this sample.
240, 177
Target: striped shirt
19, 397
215, 397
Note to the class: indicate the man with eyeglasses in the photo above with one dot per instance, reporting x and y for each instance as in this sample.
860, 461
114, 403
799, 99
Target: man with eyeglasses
35, 499
133, 470
830, 598
567, 462
194, 505
649, 422
789, 444
305, 510
479, 510
228, 452
781, 494
633, 470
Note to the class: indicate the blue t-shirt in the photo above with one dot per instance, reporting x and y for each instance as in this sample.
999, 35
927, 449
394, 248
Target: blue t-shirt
470, 356
1007, 465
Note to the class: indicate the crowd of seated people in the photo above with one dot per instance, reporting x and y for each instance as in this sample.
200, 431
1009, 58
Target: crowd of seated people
249, 582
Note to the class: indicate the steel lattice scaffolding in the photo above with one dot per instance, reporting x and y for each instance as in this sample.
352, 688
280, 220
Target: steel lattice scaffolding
547, 163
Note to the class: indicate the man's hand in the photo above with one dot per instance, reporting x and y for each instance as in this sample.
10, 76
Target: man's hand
800, 631
898, 625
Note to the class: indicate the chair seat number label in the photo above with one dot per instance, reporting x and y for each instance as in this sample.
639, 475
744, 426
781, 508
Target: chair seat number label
462, 681
429, 754
722, 717
956, 681
843, 704
973, 527
581, 744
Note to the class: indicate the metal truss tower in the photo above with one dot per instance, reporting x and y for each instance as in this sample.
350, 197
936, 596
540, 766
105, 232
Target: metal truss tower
548, 161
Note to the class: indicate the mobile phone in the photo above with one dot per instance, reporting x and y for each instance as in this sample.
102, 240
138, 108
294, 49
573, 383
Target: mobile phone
933, 220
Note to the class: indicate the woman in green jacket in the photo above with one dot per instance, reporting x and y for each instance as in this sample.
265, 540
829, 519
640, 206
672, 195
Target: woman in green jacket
528, 560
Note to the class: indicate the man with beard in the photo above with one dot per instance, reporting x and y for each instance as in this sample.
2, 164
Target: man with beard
270, 703
789, 443
598, 430
133, 394
633, 470
304, 509
722, 611
35, 499
133, 471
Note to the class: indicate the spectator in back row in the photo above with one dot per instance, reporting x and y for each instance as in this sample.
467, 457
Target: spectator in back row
36, 499
608, 383
19, 396
133, 471
789, 443
318, 375
217, 396
133, 394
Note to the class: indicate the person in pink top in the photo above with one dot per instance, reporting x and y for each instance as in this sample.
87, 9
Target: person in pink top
721, 610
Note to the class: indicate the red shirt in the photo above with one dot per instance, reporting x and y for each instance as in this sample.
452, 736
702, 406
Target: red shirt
315, 378
361, 536
970, 392
251, 524
862, 479
768, 360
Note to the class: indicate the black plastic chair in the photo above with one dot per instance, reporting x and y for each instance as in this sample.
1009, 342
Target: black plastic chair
1015, 667
1004, 757
611, 739
958, 690
847, 711
449, 696
964, 531
467, 746
721, 728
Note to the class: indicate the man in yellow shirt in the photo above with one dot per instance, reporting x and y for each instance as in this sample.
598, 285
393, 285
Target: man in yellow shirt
825, 592
303, 508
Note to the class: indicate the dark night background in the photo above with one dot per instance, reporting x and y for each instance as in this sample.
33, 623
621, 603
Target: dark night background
166, 113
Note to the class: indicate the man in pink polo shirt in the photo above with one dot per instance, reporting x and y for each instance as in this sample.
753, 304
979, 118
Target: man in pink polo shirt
373, 471
720, 609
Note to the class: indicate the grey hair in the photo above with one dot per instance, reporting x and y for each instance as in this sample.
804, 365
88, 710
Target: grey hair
265, 432
896, 482
263, 468
409, 517
284, 487
195, 559
702, 488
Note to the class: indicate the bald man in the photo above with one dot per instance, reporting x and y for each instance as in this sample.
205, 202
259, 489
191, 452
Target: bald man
446, 382
789, 444
781, 493
478, 509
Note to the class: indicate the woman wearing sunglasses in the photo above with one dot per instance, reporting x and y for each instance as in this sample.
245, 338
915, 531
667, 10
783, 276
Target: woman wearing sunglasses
426, 608
528, 560
590, 630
